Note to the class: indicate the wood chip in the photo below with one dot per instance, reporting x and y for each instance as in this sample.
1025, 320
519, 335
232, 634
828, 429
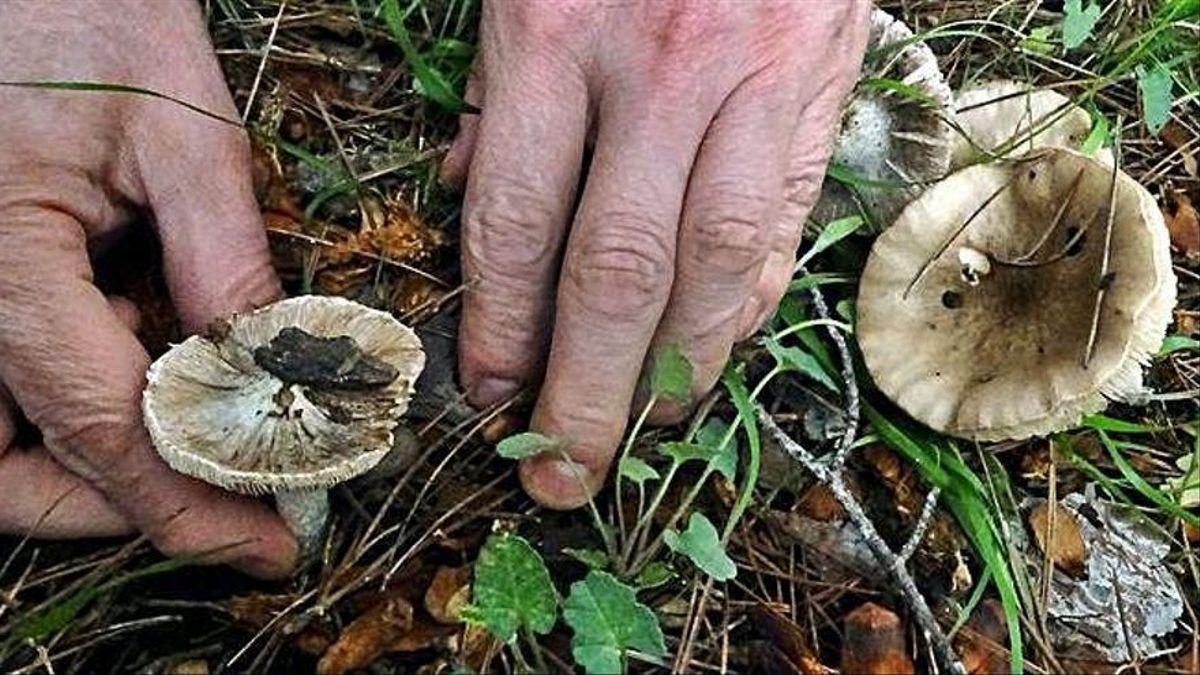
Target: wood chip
1061, 540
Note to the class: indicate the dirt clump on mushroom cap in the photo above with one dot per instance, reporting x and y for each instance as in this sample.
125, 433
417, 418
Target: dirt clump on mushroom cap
302, 394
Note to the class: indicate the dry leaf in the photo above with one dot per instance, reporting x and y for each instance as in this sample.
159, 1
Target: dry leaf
448, 593
874, 643
981, 641
1179, 138
1184, 227
1061, 540
818, 503
368, 637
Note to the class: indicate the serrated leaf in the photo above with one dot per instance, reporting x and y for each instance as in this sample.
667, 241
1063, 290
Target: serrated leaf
528, 444
832, 234
1155, 86
512, 589
702, 545
594, 559
1078, 22
671, 374
609, 622
637, 470
794, 358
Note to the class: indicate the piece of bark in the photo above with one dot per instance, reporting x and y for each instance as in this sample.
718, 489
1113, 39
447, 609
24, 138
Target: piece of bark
1063, 542
873, 643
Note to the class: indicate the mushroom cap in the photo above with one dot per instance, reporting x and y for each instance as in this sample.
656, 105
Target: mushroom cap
996, 113
1004, 357
216, 414
893, 139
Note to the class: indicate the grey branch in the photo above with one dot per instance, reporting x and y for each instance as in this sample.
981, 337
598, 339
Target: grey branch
834, 480
922, 526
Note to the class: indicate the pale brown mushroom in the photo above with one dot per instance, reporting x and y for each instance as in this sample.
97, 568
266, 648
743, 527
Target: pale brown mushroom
287, 400
1062, 317
893, 140
1010, 119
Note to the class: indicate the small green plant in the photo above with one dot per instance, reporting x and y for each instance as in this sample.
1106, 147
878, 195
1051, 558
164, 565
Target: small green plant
515, 600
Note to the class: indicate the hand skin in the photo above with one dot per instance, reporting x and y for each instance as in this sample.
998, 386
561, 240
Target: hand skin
75, 169
711, 123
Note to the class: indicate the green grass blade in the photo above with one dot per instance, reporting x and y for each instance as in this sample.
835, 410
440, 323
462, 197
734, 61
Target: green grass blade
110, 88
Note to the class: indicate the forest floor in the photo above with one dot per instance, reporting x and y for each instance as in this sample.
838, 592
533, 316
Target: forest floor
1071, 553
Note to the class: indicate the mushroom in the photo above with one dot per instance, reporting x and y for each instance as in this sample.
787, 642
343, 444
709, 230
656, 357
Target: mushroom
288, 400
893, 137
1005, 302
1010, 118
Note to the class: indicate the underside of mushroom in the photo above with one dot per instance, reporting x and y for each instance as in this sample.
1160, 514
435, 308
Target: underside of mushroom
291, 399
893, 138
1014, 297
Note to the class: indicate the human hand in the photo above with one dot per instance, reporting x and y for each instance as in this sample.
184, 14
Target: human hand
75, 168
711, 123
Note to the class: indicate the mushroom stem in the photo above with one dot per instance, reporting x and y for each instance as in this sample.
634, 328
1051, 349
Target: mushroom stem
305, 512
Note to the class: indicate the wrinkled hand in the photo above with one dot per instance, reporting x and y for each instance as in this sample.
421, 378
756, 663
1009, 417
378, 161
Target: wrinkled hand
711, 124
75, 168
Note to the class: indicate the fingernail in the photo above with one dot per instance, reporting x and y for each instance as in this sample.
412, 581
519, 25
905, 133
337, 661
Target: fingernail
491, 390
557, 482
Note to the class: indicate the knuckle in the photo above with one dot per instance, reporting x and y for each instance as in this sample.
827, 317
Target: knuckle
510, 231
733, 238
624, 271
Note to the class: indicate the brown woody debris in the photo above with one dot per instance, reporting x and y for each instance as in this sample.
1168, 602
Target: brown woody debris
874, 643
369, 637
786, 650
1061, 539
1184, 226
448, 593
981, 641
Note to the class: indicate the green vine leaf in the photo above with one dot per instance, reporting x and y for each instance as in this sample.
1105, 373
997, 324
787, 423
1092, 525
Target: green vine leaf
702, 545
512, 590
637, 470
1078, 22
610, 624
1155, 86
528, 444
671, 375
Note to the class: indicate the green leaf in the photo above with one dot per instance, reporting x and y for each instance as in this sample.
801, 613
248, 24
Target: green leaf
1155, 86
1178, 343
1078, 22
725, 461
1163, 500
431, 83
832, 234
701, 544
512, 589
680, 452
735, 384
1039, 41
671, 375
595, 559
637, 470
654, 575
609, 622
1099, 137
794, 358
528, 444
